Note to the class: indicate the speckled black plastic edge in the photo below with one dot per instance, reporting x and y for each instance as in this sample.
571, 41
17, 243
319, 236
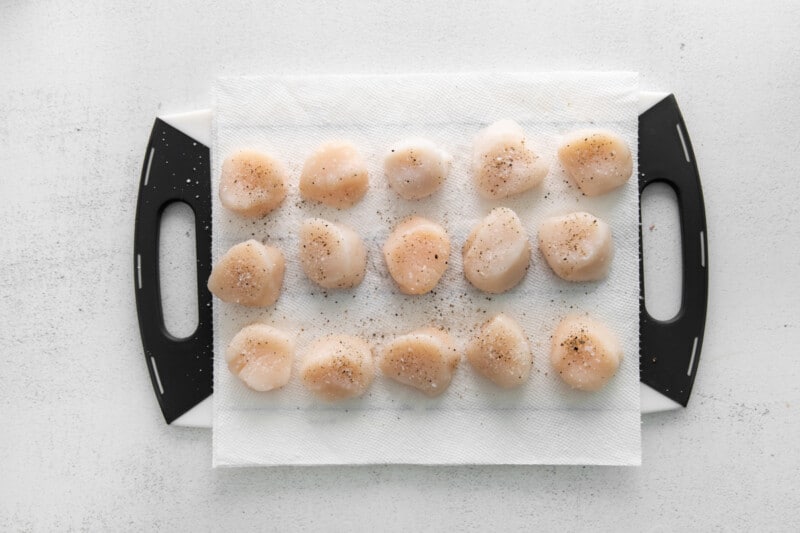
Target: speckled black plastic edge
176, 169
669, 351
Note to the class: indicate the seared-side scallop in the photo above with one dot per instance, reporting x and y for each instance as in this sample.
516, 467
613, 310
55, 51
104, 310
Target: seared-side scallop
503, 164
578, 246
501, 352
416, 168
332, 255
337, 367
497, 252
416, 254
251, 183
335, 175
249, 274
424, 359
261, 356
585, 353
598, 161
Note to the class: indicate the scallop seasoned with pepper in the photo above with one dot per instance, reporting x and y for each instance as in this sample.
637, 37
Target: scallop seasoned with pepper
497, 252
503, 163
585, 353
424, 359
578, 246
598, 161
332, 255
416, 168
416, 254
261, 356
337, 367
249, 274
335, 175
501, 352
252, 184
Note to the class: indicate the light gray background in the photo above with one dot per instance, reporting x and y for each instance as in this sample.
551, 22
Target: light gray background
83, 445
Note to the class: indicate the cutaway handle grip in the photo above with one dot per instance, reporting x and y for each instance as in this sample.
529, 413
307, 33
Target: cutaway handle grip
176, 169
670, 350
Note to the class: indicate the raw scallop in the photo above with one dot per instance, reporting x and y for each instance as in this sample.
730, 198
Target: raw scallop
416, 254
497, 252
501, 352
338, 367
249, 274
332, 255
424, 359
503, 164
261, 356
416, 168
335, 175
578, 246
585, 353
252, 184
598, 161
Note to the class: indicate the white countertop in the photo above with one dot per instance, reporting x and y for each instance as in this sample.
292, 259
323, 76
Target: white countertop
84, 445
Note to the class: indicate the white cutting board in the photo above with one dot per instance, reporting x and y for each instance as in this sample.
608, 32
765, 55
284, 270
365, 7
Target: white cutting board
660, 241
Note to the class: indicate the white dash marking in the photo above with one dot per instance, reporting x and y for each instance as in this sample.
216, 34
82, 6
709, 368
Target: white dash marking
149, 164
158, 378
683, 143
703, 249
691, 360
139, 271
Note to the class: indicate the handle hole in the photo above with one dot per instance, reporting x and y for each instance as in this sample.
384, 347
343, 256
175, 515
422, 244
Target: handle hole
177, 260
661, 251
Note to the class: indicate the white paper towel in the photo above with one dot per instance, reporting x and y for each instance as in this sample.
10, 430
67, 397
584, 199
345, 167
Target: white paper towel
473, 421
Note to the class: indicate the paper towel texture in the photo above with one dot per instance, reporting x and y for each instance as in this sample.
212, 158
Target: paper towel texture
542, 421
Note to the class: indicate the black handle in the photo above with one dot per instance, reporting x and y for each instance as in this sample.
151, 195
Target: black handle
176, 169
669, 350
